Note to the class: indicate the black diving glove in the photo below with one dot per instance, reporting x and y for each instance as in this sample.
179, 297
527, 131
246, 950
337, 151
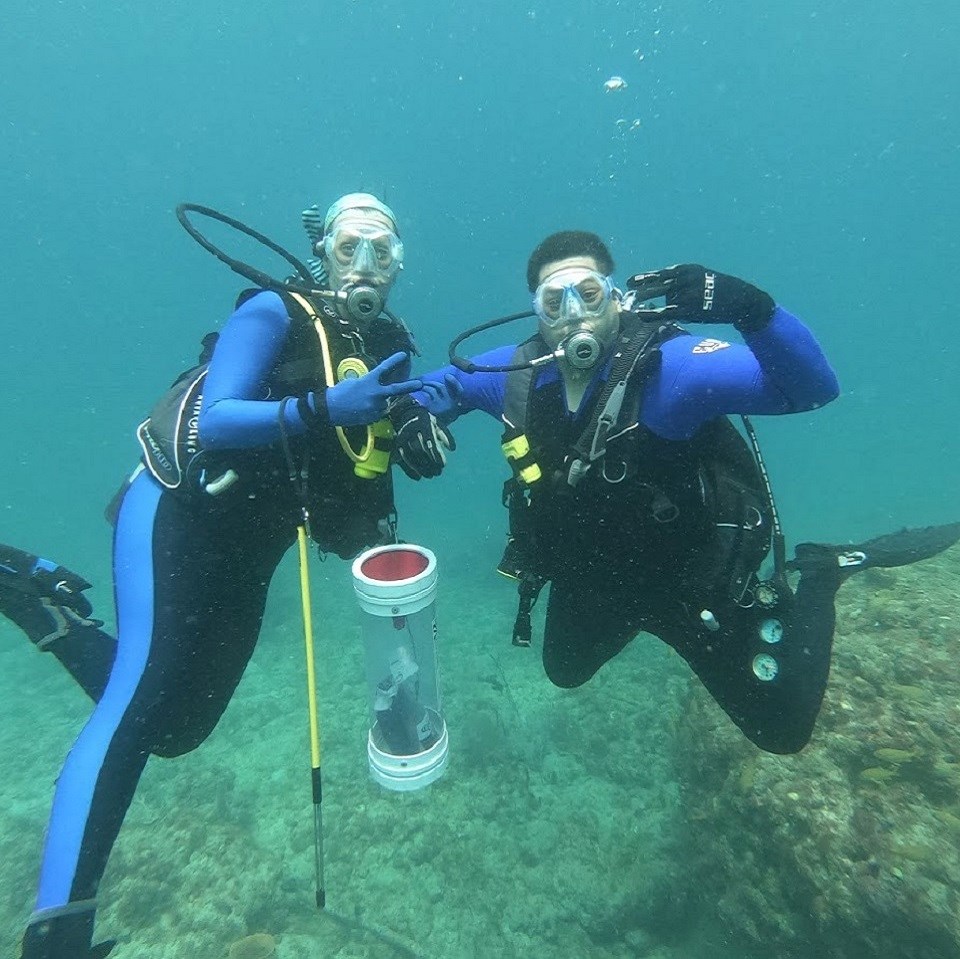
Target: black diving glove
695, 294
421, 440
42, 598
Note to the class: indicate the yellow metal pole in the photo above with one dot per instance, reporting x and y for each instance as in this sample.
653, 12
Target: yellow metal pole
316, 784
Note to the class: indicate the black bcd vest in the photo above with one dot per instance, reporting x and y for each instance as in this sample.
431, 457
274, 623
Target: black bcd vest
345, 510
695, 511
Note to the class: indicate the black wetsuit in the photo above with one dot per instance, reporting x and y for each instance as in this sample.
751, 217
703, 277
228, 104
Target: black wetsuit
619, 562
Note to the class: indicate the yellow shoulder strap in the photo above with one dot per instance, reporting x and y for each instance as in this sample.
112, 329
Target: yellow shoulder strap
330, 377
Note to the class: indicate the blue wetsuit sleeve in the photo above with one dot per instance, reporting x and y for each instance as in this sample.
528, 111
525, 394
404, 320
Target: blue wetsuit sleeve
781, 369
481, 391
234, 413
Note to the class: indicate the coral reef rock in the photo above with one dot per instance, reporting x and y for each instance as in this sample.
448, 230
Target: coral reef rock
852, 847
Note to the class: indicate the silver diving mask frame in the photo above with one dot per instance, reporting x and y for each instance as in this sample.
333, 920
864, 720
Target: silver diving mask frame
358, 247
362, 259
572, 295
572, 298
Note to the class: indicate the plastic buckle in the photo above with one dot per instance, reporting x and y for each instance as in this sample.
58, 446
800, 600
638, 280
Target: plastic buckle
854, 558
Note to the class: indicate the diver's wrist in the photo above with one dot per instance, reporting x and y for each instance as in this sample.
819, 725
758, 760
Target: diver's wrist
756, 313
313, 410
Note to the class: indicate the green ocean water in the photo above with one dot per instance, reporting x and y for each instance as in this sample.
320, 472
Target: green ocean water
811, 148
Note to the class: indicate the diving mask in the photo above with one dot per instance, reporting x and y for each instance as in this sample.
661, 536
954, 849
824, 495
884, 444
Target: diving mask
571, 295
358, 249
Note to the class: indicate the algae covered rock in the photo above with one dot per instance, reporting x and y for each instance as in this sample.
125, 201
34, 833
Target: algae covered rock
852, 847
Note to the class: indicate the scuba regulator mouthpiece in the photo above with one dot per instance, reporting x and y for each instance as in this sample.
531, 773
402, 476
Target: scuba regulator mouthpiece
581, 349
362, 304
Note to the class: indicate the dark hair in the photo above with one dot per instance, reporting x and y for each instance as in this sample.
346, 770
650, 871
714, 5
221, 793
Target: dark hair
559, 246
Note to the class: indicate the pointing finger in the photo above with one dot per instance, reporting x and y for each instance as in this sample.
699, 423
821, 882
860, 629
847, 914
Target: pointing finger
406, 386
390, 364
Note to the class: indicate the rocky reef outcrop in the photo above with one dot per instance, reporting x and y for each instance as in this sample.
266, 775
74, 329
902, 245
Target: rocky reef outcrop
852, 847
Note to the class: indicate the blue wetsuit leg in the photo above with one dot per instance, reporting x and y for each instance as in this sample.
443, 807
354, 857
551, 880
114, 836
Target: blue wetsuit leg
102, 769
191, 578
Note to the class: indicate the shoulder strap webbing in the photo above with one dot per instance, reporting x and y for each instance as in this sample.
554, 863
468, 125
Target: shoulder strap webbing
637, 356
520, 384
313, 316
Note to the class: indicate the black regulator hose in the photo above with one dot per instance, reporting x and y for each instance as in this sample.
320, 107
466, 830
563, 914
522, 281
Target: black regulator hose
238, 266
468, 366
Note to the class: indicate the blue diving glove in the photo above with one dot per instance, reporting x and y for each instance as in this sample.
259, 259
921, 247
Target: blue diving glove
443, 399
421, 439
358, 401
695, 294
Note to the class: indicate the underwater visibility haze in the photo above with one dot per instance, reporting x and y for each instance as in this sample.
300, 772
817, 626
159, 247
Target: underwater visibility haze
811, 148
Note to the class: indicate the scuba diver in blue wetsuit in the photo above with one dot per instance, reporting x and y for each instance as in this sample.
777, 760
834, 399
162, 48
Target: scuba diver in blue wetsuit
286, 413
635, 496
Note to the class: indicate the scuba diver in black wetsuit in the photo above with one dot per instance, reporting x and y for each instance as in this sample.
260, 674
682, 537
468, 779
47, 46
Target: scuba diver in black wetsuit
636, 497
269, 425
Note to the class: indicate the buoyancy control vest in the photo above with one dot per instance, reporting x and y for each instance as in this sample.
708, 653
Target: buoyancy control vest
347, 505
600, 495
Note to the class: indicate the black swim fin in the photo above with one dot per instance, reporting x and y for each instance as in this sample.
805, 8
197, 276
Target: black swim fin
43, 598
892, 549
64, 933
100, 951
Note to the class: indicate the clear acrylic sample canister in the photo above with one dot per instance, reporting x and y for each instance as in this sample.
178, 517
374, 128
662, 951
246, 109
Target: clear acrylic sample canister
396, 588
